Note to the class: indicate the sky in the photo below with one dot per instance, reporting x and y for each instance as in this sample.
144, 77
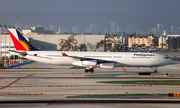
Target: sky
110, 6
67, 13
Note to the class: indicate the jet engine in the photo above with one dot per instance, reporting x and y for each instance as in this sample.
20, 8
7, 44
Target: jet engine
91, 63
107, 65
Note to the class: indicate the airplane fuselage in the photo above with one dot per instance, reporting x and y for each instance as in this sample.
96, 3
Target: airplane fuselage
130, 59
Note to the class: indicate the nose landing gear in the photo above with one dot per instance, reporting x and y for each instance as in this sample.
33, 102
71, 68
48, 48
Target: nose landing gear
155, 70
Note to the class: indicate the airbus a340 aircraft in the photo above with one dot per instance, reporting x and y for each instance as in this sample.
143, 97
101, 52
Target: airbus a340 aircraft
90, 60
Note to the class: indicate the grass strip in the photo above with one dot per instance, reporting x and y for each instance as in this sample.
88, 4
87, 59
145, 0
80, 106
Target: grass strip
115, 75
145, 82
77, 67
116, 95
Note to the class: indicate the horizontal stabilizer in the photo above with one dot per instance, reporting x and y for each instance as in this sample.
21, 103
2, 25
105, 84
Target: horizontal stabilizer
20, 53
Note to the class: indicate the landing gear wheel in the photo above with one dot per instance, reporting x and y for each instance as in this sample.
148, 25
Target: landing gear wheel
91, 70
155, 71
86, 70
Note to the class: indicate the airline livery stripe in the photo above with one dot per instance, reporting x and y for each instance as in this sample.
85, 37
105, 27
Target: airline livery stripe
17, 44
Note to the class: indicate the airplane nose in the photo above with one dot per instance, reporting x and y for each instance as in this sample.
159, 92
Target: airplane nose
171, 60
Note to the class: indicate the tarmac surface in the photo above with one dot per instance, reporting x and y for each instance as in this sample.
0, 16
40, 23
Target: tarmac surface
65, 86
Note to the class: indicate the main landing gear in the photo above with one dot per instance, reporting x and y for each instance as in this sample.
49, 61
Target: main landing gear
89, 70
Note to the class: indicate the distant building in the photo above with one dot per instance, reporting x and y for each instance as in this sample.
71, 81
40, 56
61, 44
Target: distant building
162, 41
75, 29
119, 29
38, 30
51, 27
173, 41
113, 27
17, 25
140, 41
156, 41
174, 30
164, 33
87, 31
148, 30
93, 28
59, 31
104, 31
154, 31
116, 39
160, 28
131, 28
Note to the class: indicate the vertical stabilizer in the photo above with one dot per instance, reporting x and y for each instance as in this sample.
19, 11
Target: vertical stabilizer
20, 43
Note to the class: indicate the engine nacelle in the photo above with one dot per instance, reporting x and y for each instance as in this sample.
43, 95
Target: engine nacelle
91, 63
107, 65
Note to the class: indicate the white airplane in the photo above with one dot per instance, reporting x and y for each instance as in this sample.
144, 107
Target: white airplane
90, 60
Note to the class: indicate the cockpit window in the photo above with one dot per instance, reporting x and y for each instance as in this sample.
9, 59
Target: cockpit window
166, 57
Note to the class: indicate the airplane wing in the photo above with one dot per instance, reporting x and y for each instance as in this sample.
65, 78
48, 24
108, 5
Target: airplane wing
86, 58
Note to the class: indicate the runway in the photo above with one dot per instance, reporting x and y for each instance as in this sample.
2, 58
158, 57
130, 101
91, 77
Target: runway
139, 77
28, 86
87, 101
74, 87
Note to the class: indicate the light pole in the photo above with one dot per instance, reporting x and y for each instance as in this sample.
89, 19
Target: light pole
19, 58
122, 41
5, 42
0, 45
14, 50
105, 42
9, 48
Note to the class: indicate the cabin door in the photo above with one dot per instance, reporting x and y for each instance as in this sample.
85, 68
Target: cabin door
126, 57
157, 58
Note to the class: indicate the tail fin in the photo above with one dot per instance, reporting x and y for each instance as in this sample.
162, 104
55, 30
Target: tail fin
20, 43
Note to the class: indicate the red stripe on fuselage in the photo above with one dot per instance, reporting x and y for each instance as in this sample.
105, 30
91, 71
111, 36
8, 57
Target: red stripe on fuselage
17, 44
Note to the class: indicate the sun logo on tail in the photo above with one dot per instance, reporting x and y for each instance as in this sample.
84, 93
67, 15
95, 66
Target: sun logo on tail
25, 44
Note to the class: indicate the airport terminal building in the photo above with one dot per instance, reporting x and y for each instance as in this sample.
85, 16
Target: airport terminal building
173, 41
50, 41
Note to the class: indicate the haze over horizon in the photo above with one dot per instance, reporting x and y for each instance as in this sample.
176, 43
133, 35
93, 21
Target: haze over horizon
140, 14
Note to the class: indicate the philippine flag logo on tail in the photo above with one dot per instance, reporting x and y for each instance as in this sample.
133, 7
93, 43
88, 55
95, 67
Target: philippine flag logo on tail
20, 43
